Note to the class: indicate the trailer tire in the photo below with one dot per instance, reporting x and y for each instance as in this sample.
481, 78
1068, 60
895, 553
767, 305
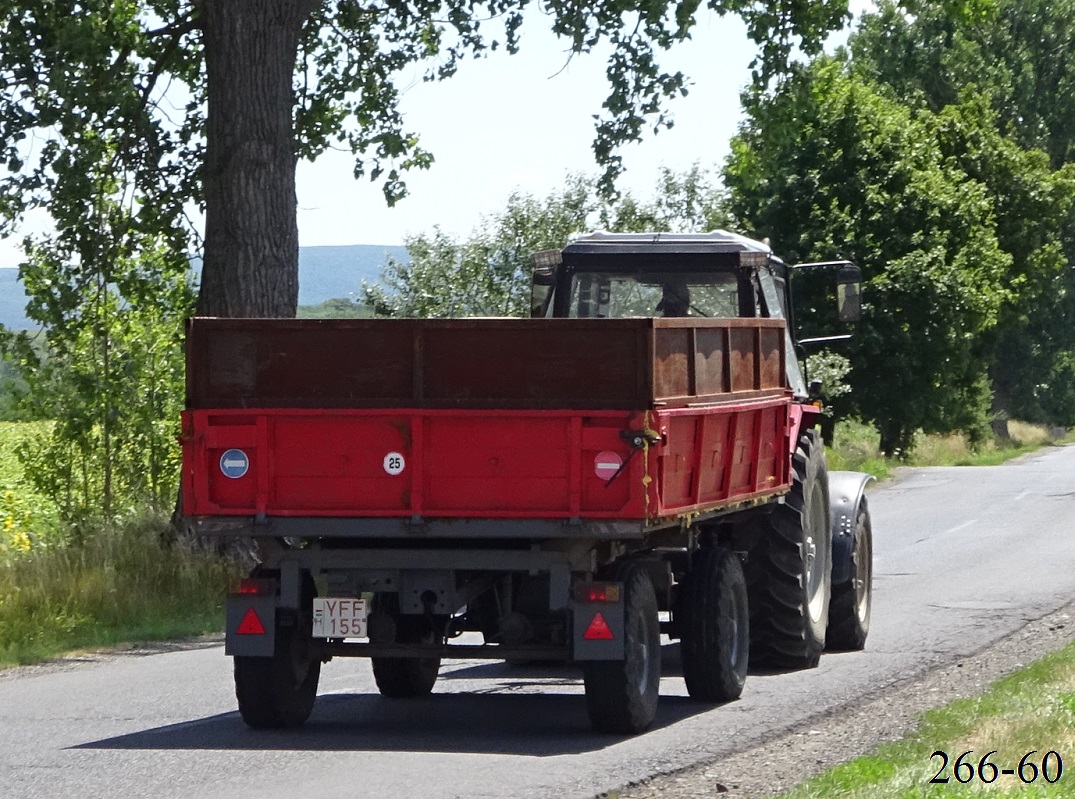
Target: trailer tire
715, 628
789, 573
852, 600
621, 695
402, 678
280, 691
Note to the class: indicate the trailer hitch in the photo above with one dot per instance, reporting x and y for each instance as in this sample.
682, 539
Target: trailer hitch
637, 440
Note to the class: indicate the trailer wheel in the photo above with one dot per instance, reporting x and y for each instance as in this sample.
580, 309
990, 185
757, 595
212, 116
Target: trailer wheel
621, 695
849, 612
789, 574
715, 642
400, 678
280, 691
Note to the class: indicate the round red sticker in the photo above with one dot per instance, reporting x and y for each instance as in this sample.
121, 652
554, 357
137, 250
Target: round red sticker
606, 464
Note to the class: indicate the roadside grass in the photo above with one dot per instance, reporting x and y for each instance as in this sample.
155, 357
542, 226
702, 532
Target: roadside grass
856, 447
113, 583
121, 584
1032, 710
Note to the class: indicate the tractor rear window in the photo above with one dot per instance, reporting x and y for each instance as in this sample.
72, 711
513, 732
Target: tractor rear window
615, 296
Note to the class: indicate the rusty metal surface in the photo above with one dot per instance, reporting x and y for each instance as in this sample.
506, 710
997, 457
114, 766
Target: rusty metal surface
614, 364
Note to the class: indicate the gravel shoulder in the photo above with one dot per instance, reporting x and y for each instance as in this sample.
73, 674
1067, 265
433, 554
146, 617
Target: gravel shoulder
885, 715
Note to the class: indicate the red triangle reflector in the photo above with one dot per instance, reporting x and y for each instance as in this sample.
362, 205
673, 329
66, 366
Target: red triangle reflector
251, 624
598, 629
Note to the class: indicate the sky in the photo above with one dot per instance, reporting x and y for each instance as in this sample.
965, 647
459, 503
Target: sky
519, 123
524, 122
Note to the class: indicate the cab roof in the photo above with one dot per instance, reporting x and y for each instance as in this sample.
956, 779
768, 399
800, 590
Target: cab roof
714, 242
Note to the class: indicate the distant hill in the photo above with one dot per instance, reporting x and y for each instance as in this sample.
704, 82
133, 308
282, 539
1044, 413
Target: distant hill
12, 299
324, 273
328, 272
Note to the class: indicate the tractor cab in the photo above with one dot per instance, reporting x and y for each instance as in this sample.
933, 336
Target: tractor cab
716, 275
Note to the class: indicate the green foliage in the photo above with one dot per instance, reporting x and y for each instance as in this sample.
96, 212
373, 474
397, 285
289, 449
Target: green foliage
1005, 115
28, 520
121, 584
856, 446
11, 386
488, 274
111, 303
828, 165
938, 54
917, 156
87, 81
116, 581
686, 202
831, 369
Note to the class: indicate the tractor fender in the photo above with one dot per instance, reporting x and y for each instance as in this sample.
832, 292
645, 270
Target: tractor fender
846, 491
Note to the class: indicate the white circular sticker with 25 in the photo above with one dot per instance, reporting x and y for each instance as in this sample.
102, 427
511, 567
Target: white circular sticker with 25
394, 463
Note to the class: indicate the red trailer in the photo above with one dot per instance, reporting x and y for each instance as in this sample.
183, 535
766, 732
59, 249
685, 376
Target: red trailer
567, 487
635, 421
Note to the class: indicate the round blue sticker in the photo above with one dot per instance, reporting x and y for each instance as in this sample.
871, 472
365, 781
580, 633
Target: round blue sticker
234, 463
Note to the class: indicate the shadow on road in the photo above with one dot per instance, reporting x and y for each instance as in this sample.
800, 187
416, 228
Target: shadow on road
487, 720
480, 723
507, 717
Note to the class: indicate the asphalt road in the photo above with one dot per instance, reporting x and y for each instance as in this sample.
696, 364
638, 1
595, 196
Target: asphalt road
963, 556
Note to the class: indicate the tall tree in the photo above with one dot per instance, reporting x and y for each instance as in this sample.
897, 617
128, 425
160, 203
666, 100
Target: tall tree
1016, 52
998, 76
261, 83
828, 165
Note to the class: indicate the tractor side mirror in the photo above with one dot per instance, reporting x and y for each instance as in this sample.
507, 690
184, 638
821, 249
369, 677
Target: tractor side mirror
542, 280
849, 293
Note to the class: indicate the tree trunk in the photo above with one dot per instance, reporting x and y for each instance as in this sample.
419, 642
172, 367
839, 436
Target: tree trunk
251, 262
1001, 404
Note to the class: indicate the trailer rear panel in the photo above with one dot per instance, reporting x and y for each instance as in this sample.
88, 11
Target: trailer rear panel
642, 420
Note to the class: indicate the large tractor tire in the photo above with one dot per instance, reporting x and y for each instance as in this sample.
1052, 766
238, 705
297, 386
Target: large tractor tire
714, 628
852, 599
280, 691
621, 695
401, 678
789, 572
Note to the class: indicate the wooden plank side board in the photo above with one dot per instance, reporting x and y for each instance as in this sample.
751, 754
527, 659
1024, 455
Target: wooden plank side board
611, 364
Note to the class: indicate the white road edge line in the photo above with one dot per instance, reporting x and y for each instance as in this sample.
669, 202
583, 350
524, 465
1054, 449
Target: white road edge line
1023, 496
959, 527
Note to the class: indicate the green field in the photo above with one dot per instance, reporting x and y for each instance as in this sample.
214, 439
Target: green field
26, 518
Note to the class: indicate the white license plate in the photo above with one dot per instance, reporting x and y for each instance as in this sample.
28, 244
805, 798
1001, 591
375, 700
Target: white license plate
339, 617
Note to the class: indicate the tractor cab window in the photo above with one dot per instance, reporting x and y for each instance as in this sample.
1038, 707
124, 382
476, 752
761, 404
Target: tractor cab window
604, 295
774, 290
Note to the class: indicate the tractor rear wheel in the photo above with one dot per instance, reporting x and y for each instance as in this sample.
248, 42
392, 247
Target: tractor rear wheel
789, 571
